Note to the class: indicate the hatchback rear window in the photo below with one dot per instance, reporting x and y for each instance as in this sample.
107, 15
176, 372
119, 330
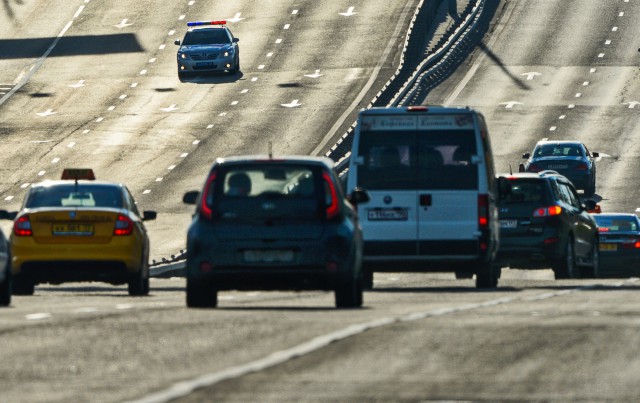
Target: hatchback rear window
74, 196
526, 191
269, 190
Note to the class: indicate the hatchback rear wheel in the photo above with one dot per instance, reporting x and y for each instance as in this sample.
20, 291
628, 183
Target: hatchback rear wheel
201, 295
349, 294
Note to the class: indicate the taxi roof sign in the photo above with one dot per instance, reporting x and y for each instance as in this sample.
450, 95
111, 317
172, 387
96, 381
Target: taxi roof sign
198, 23
78, 173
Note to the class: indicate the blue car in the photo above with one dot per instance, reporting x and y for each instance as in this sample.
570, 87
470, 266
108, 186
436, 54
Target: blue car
619, 245
571, 159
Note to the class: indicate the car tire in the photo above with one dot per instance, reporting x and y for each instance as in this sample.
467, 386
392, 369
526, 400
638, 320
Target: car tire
182, 76
349, 294
201, 295
565, 267
367, 278
23, 285
488, 275
593, 270
139, 283
236, 67
5, 288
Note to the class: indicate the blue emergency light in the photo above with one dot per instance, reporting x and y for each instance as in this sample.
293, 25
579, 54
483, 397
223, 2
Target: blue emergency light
198, 23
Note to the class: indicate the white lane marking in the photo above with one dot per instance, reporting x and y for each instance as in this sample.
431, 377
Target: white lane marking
36, 66
585, 83
170, 108
286, 26
192, 2
316, 74
124, 306
48, 112
222, 114
196, 142
40, 141
162, 46
86, 131
72, 144
184, 388
601, 55
607, 42
279, 40
261, 67
614, 29
41, 173
78, 84
171, 167
552, 128
184, 155
349, 12
143, 72
254, 79
571, 106
593, 70
159, 179
112, 107
632, 104
621, 14
182, 17
8, 198
269, 54
531, 75
25, 185
292, 104
152, 60
562, 117
236, 18
123, 96
55, 160
209, 127
244, 91
87, 309
578, 94
146, 192
510, 104
234, 103
100, 119
544, 139
122, 24
170, 33
134, 85
38, 316
77, 14
294, 12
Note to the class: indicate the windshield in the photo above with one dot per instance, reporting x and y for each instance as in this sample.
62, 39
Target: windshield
207, 37
74, 196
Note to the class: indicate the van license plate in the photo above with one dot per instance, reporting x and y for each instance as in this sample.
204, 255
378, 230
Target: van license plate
388, 214
508, 223
268, 256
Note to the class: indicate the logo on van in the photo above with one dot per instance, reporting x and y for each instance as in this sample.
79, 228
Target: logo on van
387, 199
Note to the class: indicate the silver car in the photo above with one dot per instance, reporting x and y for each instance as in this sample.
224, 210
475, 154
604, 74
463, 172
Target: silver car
208, 47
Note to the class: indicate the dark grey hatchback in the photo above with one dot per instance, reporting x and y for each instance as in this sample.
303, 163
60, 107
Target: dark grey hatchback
281, 223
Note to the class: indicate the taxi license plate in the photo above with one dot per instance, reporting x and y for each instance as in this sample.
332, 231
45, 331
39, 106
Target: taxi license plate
388, 214
508, 223
608, 246
268, 256
72, 229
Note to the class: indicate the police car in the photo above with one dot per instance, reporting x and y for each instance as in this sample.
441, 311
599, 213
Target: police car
208, 46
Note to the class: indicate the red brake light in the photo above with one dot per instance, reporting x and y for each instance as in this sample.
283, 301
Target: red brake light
483, 211
207, 194
603, 229
332, 206
582, 167
417, 108
547, 211
124, 226
22, 226
534, 168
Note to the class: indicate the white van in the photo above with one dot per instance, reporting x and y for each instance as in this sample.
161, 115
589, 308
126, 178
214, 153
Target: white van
430, 175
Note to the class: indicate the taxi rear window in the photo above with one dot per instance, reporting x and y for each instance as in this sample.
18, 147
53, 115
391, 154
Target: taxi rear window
74, 196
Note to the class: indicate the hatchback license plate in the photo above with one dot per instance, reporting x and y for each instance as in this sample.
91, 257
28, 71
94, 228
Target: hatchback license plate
608, 246
72, 229
268, 256
508, 223
388, 214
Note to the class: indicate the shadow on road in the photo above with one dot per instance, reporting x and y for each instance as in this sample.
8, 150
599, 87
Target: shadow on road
69, 46
214, 78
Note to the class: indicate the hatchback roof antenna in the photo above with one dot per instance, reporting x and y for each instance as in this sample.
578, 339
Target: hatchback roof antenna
510, 170
270, 150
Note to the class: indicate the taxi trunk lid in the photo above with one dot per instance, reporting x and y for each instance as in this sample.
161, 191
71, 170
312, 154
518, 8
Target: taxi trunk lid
71, 225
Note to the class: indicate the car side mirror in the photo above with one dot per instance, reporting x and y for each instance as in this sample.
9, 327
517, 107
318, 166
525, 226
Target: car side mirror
521, 168
190, 197
595, 154
177, 42
504, 187
358, 195
589, 205
8, 215
236, 40
526, 155
149, 215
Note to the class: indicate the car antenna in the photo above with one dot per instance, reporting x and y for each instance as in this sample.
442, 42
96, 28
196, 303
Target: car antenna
270, 150
510, 170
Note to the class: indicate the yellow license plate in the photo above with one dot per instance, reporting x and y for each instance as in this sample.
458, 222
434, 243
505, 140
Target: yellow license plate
72, 229
608, 246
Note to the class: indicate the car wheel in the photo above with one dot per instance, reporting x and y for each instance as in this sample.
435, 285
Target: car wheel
5, 288
139, 284
367, 278
236, 67
201, 295
349, 294
182, 76
488, 275
23, 285
594, 271
566, 265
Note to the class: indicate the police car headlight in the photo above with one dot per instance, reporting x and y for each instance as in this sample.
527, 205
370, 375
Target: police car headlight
183, 56
226, 53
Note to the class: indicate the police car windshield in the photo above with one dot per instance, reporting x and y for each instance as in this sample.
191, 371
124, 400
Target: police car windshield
72, 196
216, 36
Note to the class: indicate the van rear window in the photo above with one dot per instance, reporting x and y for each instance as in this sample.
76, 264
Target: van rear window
434, 159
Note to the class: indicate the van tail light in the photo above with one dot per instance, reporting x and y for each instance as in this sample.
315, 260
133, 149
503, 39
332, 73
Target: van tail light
22, 226
206, 198
332, 206
483, 211
534, 168
547, 211
124, 226
582, 167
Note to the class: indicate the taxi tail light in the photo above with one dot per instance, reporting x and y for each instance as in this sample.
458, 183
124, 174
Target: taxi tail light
22, 226
332, 208
206, 199
483, 211
547, 211
124, 226
582, 167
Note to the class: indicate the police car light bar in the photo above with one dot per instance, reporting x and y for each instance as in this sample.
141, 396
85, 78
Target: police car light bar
197, 23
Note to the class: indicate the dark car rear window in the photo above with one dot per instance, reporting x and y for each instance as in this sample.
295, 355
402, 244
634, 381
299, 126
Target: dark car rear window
616, 224
404, 160
268, 191
526, 191
558, 150
74, 196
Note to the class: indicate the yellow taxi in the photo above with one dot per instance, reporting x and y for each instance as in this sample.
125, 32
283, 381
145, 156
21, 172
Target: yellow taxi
79, 229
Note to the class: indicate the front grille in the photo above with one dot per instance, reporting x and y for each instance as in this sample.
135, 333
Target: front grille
205, 56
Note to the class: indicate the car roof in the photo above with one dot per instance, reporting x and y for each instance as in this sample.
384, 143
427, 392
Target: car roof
287, 159
532, 175
433, 109
49, 183
559, 142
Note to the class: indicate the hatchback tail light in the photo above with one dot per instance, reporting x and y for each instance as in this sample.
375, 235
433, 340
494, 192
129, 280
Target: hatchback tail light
124, 226
22, 226
483, 211
332, 205
547, 211
206, 199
